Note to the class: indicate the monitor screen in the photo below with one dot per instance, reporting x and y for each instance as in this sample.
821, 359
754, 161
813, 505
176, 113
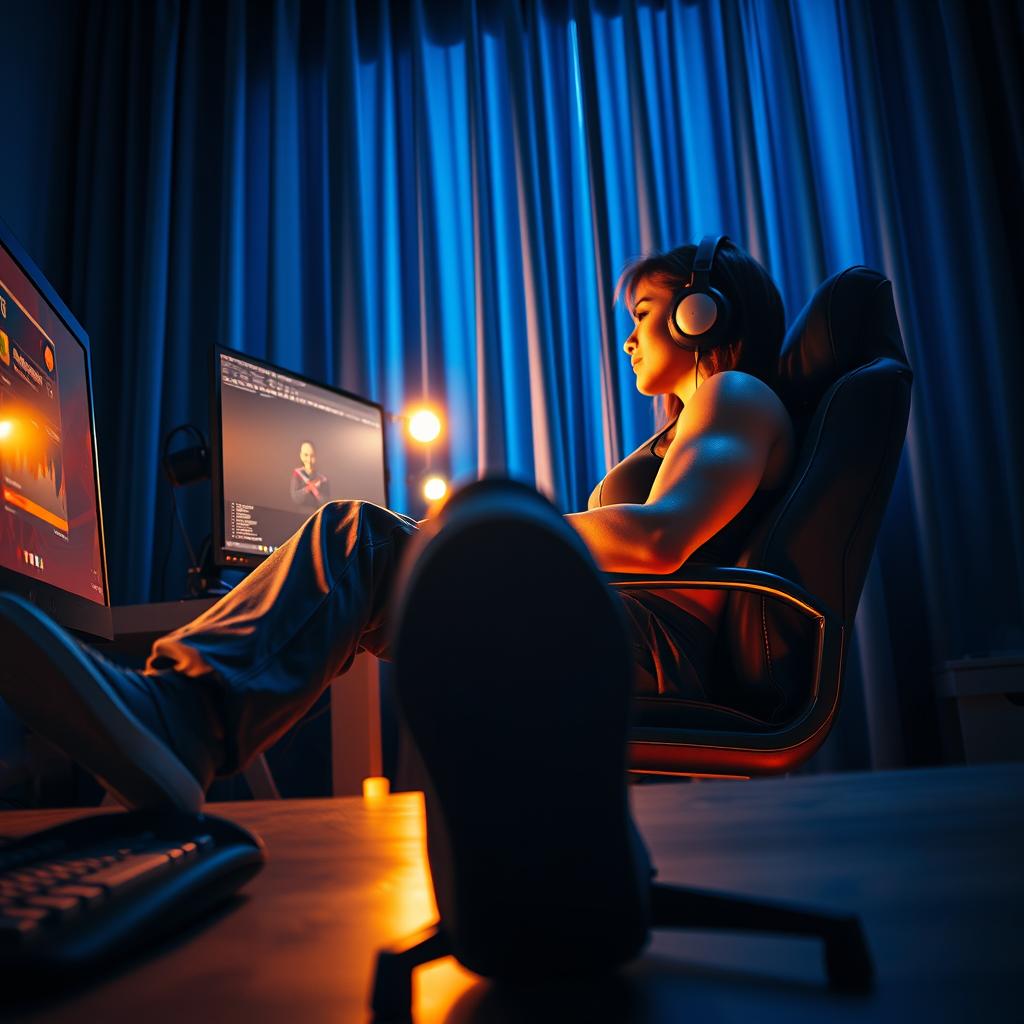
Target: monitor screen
51, 538
283, 446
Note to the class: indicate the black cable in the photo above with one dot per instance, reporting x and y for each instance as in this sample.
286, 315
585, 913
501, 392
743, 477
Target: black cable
195, 578
181, 527
164, 453
162, 592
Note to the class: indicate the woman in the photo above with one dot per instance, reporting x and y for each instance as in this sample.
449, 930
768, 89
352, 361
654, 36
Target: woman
224, 687
693, 492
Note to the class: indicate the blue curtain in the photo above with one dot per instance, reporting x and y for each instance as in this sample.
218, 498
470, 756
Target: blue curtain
419, 200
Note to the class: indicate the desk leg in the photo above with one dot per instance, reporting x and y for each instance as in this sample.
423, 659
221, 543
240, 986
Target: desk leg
355, 726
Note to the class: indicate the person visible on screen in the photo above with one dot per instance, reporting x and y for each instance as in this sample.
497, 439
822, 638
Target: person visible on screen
309, 486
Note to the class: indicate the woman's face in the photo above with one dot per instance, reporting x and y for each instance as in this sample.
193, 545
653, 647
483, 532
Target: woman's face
660, 365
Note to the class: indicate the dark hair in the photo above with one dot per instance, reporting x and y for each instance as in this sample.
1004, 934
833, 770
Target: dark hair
759, 319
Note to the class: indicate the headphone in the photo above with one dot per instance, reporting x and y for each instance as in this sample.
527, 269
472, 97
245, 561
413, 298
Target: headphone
187, 465
701, 315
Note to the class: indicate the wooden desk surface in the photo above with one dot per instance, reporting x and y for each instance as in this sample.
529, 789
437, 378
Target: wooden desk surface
933, 860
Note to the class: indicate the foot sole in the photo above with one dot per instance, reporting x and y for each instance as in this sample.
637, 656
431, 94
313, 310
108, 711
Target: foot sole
513, 669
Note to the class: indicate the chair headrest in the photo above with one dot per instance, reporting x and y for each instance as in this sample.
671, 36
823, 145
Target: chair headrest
849, 321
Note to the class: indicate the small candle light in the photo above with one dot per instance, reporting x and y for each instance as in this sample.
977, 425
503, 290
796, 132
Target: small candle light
376, 788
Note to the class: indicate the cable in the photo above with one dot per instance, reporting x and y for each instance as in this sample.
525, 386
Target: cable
181, 527
173, 484
195, 576
161, 593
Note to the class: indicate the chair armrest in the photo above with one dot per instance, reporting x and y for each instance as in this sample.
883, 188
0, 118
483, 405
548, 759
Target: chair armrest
706, 751
718, 577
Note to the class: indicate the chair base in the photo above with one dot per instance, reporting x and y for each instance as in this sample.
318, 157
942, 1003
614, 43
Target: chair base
847, 959
392, 983
848, 964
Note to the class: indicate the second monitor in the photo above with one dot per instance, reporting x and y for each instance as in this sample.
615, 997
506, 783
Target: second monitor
284, 445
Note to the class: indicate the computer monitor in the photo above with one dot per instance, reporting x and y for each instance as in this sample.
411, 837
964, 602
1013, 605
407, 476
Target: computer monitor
51, 523
283, 445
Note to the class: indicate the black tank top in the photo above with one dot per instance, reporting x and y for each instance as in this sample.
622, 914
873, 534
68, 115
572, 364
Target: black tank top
630, 481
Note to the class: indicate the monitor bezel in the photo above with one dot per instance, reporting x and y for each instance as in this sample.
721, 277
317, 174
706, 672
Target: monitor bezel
71, 610
223, 558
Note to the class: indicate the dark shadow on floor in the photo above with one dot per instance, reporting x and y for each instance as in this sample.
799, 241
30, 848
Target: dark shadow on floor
652, 991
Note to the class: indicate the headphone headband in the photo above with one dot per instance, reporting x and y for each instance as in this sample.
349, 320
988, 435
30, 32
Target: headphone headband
704, 260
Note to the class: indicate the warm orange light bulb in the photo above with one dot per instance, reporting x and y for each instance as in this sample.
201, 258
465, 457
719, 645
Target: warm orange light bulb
6, 426
434, 488
424, 426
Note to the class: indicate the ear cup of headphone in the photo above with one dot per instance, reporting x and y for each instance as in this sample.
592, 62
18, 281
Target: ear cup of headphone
695, 315
187, 465
700, 314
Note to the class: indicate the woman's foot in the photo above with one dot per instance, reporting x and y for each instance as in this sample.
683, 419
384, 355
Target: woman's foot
148, 740
513, 670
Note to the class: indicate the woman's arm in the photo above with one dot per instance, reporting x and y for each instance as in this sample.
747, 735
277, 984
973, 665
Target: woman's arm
712, 468
622, 538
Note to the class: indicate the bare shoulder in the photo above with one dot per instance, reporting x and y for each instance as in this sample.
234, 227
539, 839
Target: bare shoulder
736, 397
743, 409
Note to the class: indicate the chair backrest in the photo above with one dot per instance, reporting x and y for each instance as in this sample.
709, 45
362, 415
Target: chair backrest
845, 380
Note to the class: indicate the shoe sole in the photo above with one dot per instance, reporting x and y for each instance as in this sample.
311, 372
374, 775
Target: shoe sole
55, 690
520, 714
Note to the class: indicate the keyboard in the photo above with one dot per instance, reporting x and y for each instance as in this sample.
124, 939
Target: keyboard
93, 890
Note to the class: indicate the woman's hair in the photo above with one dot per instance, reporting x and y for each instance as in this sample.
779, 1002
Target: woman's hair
759, 319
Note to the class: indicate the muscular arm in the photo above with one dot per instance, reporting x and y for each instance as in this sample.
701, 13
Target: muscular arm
621, 538
710, 471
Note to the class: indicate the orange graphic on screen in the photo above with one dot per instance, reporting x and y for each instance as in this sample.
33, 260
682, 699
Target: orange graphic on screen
33, 477
48, 360
5, 348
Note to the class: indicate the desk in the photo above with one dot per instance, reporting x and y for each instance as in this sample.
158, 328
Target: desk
931, 859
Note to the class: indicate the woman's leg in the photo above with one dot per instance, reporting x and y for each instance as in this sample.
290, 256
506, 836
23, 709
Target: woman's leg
222, 689
672, 649
267, 650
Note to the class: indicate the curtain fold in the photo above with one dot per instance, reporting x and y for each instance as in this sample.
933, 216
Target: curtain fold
419, 201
